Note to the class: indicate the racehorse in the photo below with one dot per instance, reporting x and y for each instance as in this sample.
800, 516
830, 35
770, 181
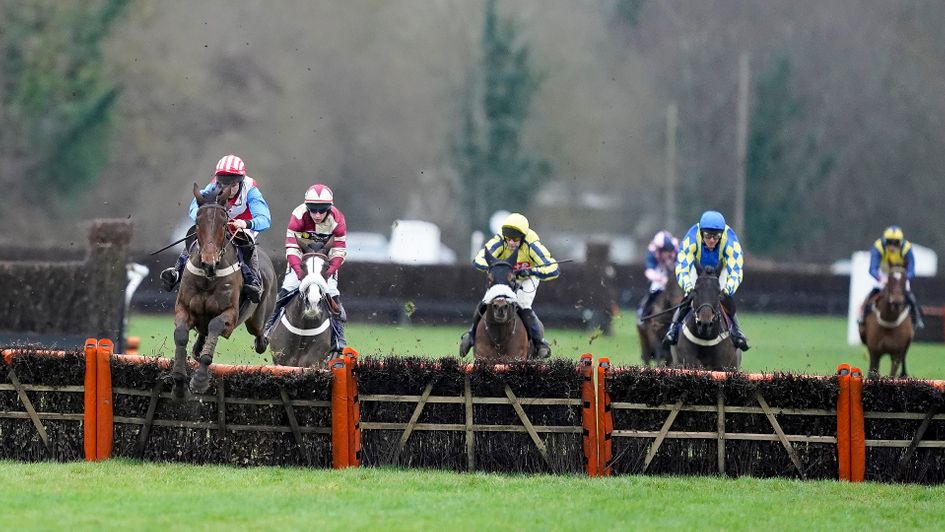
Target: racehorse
302, 336
209, 296
704, 341
887, 328
652, 329
501, 336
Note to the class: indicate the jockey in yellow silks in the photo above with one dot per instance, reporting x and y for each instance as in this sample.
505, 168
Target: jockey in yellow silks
532, 263
711, 242
889, 251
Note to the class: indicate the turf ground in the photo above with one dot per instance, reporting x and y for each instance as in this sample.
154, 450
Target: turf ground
802, 344
128, 495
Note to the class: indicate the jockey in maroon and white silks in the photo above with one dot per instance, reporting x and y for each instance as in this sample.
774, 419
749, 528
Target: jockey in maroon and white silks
315, 222
303, 229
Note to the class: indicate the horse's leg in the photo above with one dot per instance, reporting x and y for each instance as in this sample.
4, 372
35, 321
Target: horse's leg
874, 364
200, 382
181, 334
894, 359
198, 346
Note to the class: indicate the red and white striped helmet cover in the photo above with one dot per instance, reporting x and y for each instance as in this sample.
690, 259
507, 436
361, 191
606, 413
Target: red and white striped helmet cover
230, 165
319, 194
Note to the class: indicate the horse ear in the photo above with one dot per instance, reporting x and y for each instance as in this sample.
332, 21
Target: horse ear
490, 259
223, 194
698, 266
198, 195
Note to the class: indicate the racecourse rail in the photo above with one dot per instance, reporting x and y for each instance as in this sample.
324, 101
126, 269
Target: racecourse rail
561, 417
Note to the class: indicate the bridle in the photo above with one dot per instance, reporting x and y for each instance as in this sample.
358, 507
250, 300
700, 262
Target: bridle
232, 234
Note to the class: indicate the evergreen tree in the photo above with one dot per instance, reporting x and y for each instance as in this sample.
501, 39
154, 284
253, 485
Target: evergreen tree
784, 165
56, 100
496, 171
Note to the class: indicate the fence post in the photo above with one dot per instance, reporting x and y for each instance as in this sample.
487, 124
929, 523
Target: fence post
103, 391
589, 415
354, 408
340, 449
843, 423
857, 427
605, 420
90, 420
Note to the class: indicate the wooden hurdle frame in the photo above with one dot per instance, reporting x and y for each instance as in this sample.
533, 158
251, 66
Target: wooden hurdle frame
596, 412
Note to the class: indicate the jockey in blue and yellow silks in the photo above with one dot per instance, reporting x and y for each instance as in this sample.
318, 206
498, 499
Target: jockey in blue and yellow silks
532, 262
892, 250
711, 242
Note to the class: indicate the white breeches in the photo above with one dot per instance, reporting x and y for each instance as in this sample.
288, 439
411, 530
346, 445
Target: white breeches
526, 293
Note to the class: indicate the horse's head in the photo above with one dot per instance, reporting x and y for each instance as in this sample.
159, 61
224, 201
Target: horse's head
313, 287
895, 289
500, 272
706, 296
211, 226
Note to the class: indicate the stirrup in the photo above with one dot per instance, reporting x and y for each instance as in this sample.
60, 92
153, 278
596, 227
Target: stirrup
252, 292
169, 279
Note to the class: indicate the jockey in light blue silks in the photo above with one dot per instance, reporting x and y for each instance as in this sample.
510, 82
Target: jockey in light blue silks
249, 215
713, 243
892, 250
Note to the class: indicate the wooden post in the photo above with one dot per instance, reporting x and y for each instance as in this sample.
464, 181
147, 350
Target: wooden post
354, 409
339, 415
857, 427
589, 415
103, 391
605, 420
89, 422
843, 423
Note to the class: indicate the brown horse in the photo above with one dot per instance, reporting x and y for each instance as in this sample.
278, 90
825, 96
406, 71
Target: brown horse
501, 336
209, 296
302, 337
652, 329
704, 341
887, 328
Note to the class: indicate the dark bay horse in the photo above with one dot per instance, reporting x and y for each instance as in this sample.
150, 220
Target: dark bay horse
209, 296
652, 330
501, 336
302, 336
887, 329
704, 341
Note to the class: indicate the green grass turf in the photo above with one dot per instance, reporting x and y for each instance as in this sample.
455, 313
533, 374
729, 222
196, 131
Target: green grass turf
129, 495
803, 344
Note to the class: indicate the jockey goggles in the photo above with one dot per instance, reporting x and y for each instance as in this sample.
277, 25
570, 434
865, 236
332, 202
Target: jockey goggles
896, 243
229, 179
318, 208
711, 234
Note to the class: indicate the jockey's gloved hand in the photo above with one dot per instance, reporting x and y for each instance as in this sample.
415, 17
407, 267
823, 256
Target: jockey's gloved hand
524, 272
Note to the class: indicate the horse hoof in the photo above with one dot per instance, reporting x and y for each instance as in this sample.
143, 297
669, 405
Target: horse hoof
199, 386
262, 343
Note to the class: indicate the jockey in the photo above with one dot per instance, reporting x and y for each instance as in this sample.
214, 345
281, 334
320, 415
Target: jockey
660, 261
249, 215
532, 263
892, 250
713, 243
316, 221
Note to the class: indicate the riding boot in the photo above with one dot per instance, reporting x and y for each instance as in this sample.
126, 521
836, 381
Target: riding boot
738, 338
648, 300
867, 306
914, 310
672, 335
282, 299
252, 286
338, 322
536, 332
468, 339
171, 276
